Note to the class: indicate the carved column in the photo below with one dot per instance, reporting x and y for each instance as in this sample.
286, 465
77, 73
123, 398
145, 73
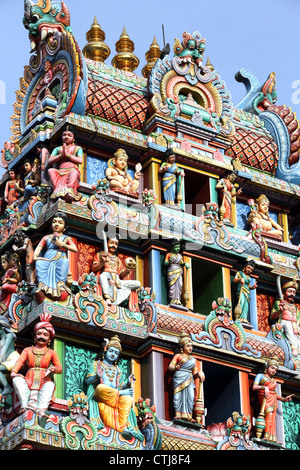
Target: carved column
156, 382
153, 179
253, 306
245, 392
226, 282
188, 283
155, 273
279, 417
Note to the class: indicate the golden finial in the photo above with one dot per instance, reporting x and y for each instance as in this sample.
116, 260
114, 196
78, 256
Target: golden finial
151, 57
209, 64
96, 49
125, 59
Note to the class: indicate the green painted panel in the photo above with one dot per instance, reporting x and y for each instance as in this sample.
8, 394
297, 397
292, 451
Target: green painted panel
291, 419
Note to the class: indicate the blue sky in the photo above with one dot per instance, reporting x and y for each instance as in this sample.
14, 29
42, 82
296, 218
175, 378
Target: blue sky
260, 35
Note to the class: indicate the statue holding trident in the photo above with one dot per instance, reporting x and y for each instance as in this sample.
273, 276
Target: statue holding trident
111, 274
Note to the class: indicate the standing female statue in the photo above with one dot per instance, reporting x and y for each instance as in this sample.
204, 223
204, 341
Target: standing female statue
184, 369
172, 180
228, 194
242, 287
259, 217
175, 263
53, 267
265, 386
10, 279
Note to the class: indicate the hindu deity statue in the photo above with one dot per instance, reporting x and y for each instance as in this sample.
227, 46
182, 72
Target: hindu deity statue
184, 369
31, 180
52, 268
286, 313
172, 180
36, 389
43, 157
265, 386
63, 169
118, 176
228, 193
175, 264
24, 248
111, 274
13, 188
110, 398
259, 217
242, 286
8, 355
10, 279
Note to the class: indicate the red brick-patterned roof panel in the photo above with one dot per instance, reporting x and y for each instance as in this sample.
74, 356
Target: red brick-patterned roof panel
255, 150
116, 104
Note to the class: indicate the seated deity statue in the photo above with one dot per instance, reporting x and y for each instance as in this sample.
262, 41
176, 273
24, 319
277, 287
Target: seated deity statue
259, 217
63, 169
118, 175
111, 275
110, 398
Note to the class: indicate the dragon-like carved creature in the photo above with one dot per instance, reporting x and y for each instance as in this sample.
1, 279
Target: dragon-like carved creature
58, 75
147, 423
43, 20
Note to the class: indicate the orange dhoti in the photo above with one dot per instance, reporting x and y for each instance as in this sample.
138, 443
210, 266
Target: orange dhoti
114, 409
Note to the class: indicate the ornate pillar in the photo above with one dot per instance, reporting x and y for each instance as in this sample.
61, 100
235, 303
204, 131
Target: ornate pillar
73, 261
136, 370
188, 283
153, 181
59, 347
283, 221
253, 306
244, 392
233, 212
155, 273
212, 190
156, 382
139, 270
226, 282
279, 417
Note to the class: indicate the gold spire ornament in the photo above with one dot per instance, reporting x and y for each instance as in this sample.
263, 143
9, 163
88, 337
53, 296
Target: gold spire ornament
209, 64
125, 59
96, 49
151, 57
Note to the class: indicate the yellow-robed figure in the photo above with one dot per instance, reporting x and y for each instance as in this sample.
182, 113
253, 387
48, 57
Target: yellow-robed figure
110, 403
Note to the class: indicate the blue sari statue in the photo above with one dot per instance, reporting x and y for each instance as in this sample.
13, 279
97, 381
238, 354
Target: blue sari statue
184, 369
53, 267
172, 180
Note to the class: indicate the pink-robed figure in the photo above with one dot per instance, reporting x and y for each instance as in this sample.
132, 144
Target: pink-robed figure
265, 386
66, 178
228, 193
